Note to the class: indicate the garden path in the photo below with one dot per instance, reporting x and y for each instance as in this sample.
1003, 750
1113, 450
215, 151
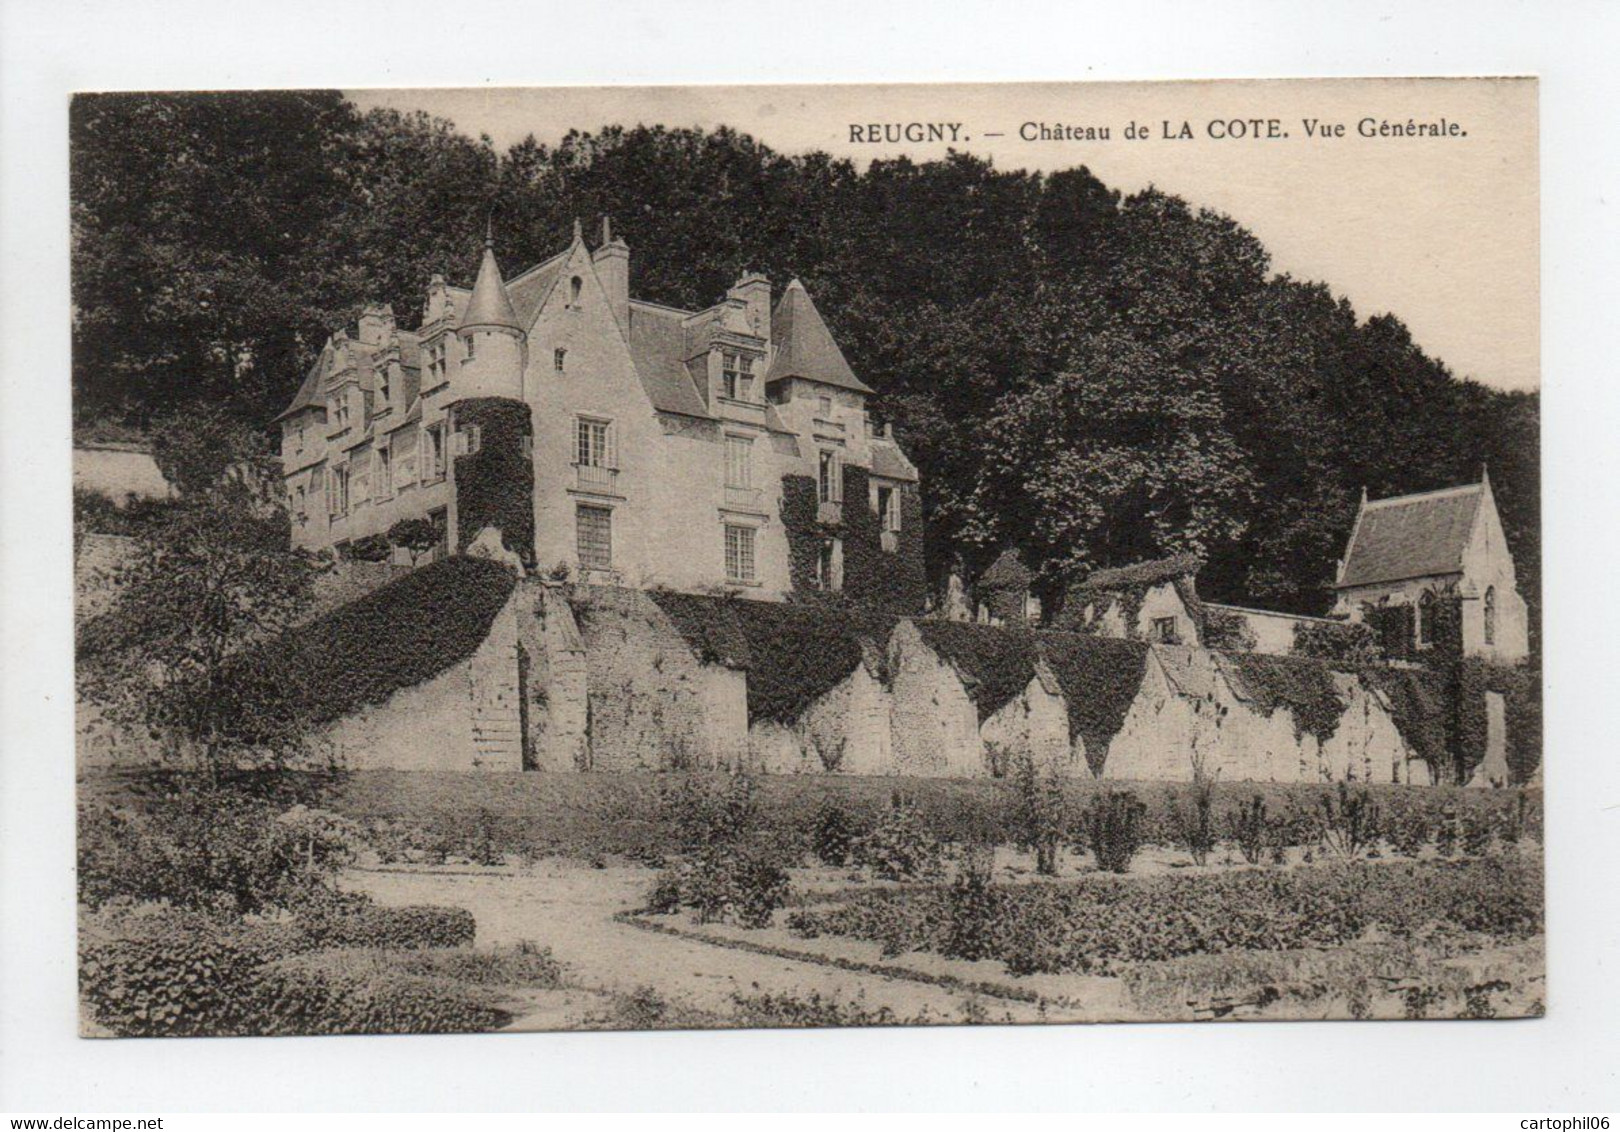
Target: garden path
570, 907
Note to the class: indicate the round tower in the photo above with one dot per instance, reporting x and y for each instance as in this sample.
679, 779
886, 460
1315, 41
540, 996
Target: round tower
494, 345
493, 427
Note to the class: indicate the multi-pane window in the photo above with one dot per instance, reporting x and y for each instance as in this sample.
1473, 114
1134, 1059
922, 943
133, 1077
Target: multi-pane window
1490, 615
824, 407
433, 452
830, 487
437, 370
339, 411
472, 340
337, 490
593, 528
1425, 619
558, 357
888, 508
737, 371
385, 473
360, 476
593, 443
739, 462
300, 509
405, 444
739, 553
1165, 632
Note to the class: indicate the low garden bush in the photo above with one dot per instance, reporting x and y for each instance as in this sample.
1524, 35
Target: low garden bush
901, 846
1113, 826
1098, 923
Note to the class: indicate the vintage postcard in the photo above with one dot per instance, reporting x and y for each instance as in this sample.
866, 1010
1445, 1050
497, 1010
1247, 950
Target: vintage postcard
623, 558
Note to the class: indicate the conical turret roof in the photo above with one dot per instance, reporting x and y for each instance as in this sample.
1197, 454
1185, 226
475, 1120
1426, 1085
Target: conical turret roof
490, 305
805, 347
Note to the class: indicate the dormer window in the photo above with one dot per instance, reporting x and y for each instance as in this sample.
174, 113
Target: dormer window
737, 375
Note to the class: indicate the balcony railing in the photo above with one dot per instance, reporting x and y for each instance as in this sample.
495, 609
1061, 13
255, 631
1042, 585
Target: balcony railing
743, 498
595, 478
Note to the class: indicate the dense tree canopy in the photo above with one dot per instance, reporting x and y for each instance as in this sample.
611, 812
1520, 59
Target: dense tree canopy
1087, 378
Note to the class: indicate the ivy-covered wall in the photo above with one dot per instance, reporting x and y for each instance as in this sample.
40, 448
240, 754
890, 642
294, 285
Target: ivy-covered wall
891, 581
495, 485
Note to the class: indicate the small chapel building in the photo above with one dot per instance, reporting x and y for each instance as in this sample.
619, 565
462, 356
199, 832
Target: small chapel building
625, 442
1420, 550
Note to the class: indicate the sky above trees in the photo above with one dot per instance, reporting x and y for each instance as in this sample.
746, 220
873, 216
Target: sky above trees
1444, 233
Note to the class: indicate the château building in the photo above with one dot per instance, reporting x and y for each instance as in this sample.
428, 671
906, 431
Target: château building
630, 442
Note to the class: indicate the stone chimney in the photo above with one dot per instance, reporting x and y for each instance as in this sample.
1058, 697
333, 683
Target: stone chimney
376, 324
612, 262
755, 292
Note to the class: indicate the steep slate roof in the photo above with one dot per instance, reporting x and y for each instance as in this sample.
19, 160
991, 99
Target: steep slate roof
528, 289
1149, 573
306, 395
1411, 536
490, 305
805, 347
658, 348
888, 460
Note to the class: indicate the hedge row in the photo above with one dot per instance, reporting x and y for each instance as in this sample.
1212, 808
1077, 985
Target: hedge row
1096, 924
178, 974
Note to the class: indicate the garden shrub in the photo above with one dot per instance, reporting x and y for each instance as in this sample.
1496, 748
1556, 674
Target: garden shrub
183, 977
1096, 924
343, 921
1113, 826
767, 1011
1348, 822
900, 846
1038, 819
971, 907
296, 998
1193, 818
723, 883
202, 849
1252, 830
833, 836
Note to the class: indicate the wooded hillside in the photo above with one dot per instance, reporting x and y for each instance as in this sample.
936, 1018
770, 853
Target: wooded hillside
1089, 377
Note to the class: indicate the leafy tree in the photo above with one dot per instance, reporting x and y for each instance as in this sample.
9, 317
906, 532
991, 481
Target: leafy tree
210, 573
194, 218
1125, 458
416, 536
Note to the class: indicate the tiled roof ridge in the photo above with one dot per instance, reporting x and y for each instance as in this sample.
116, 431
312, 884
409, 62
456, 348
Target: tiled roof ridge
1391, 500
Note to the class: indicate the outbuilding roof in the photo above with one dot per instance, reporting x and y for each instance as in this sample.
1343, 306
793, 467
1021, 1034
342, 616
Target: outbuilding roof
1411, 536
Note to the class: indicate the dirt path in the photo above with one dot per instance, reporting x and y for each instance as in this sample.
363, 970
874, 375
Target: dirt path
570, 908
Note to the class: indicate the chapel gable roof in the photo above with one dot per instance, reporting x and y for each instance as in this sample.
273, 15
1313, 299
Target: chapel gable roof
1411, 536
805, 347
